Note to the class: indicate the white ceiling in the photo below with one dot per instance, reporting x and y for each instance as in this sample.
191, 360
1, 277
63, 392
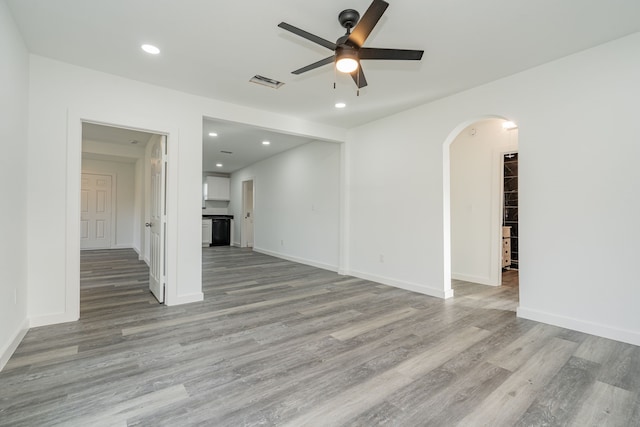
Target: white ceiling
245, 144
114, 135
213, 48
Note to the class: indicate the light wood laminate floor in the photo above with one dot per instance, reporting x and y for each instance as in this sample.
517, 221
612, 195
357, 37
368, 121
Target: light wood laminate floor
279, 343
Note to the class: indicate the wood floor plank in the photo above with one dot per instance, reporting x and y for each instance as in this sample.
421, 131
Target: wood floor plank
518, 352
357, 400
369, 324
559, 400
42, 357
507, 403
605, 405
218, 313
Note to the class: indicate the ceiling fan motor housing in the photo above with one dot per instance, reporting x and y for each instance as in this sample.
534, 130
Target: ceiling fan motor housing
348, 18
346, 51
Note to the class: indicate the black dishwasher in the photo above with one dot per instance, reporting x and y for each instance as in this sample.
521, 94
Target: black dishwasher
221, 233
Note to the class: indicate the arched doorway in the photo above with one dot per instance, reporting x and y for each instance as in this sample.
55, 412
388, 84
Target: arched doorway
474, 212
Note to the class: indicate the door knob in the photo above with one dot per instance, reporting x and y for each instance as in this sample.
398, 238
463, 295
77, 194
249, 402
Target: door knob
147, 224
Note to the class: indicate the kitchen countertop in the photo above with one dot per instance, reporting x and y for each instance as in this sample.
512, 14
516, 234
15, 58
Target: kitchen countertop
213, 216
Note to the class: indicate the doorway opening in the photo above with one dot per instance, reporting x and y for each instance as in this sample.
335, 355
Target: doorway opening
510, 258
247, 231
123, 207
475, 194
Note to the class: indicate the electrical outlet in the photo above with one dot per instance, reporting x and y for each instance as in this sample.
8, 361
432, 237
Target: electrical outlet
15, 295
381, 258
281, 242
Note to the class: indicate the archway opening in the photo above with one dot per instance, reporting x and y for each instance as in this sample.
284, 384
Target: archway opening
480, 237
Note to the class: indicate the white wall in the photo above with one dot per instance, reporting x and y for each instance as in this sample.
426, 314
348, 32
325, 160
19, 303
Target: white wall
125, 197
296, 204
61, 96
476, 202
578, 177
14, 91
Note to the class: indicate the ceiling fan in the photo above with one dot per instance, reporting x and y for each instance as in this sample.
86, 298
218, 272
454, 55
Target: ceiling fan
348, 50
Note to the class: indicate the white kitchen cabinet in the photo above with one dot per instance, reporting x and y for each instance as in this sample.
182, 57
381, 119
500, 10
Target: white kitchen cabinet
207, 234
217, 188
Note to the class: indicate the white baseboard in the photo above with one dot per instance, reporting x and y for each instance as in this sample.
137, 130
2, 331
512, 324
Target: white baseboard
414, 287
473, 279
122, 246
186, 299
51, 319
312, 263
623, 335
7, 351
140, 257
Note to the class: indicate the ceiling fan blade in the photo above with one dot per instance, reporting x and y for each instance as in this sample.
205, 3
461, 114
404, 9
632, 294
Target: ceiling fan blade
358, 77
311, 37
402, 54
367, 22
310, 67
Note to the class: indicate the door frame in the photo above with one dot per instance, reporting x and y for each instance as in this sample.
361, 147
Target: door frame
114, 198
243, 230
75, 119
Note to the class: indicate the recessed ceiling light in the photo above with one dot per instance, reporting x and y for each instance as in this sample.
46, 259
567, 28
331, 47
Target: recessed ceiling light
219, 165
340, 105
265, 143
213, 134
149, 48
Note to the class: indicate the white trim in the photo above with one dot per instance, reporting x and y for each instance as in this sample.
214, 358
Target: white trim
414, 287
305, 261
140, 257
7, 351
344, 208
186, 299
474, 279
52, 319
623, 335
123, 246
72, 232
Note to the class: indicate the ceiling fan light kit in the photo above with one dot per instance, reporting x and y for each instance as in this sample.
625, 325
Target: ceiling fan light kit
348, 50
346, 59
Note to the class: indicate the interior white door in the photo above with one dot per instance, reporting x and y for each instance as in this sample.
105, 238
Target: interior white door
157, 220
95, 211
247, 224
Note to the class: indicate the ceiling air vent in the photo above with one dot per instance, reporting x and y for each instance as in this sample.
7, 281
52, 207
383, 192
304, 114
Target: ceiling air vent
266, 81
